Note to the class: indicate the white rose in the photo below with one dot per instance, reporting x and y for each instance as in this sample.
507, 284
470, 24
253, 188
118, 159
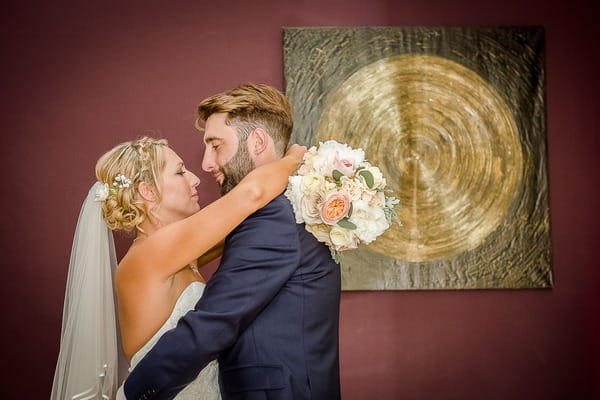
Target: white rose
308, 163
294, 195
343, 151
311, 207
312, 182
304, 170
320, 231
330, 154
342, 238
379, 181
370, 221
354, 189
323, 165
377, 200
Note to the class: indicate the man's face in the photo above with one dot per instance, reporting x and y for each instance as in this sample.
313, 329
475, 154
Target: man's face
224, 157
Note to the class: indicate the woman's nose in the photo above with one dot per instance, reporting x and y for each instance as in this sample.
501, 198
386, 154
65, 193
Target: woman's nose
195, 180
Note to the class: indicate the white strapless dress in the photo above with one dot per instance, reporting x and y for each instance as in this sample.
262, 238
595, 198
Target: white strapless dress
206, 384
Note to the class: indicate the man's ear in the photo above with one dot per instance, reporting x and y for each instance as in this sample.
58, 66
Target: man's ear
259, 141
147, 191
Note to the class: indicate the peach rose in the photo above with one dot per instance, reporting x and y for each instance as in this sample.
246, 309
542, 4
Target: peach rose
335, 207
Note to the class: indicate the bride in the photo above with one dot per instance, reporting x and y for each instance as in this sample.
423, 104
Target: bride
144, 187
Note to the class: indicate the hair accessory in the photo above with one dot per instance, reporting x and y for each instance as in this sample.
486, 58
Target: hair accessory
102, 191
121, 181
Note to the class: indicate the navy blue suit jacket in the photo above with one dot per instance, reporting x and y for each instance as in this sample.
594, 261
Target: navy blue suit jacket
270, 314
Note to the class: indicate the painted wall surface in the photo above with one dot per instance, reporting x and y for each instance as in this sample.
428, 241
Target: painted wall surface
78, 78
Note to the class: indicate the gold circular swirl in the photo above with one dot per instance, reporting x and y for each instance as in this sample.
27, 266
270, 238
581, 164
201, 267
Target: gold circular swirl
445, 141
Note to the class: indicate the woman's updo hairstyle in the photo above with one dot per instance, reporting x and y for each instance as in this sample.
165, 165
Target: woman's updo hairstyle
139, 160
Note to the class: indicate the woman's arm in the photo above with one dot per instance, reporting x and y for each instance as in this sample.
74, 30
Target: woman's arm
176, 245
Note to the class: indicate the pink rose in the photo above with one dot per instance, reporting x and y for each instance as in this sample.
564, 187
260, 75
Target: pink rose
345, 166
335, 207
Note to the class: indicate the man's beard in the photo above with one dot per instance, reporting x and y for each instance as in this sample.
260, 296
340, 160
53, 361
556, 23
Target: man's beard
236, 169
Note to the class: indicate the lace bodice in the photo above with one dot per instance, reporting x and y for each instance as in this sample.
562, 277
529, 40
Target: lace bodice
206, 385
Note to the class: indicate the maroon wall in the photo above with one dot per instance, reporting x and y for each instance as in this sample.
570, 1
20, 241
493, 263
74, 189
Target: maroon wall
79, 78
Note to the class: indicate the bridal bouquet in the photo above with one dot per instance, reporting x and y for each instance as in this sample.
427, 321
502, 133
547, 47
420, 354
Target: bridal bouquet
341, 197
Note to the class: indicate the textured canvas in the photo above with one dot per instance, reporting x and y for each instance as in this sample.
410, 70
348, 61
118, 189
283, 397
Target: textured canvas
455, 119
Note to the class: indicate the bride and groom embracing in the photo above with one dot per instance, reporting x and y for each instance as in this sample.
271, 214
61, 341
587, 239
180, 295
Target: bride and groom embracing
269, 315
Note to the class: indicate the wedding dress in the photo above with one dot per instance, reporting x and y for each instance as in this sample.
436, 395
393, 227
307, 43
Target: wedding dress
206, 385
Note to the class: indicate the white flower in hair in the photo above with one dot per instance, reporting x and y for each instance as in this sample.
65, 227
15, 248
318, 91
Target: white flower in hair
102, 192
121, 181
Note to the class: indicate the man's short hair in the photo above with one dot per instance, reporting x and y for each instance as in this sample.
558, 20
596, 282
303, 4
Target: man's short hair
250, 106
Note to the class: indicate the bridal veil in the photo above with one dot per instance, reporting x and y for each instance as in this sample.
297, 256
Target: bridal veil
87, 362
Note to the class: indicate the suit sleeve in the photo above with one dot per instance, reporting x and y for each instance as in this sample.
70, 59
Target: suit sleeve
261, 255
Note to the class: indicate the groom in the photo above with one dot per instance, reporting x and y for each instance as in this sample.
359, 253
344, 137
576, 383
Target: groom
270, 313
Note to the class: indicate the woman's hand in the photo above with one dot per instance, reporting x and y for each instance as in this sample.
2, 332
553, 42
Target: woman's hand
296, 152
269, 180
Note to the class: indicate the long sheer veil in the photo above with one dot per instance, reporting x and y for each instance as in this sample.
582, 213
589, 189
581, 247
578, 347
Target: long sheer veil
87, 363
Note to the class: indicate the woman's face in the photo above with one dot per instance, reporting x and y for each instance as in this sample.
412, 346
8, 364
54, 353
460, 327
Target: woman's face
178, 186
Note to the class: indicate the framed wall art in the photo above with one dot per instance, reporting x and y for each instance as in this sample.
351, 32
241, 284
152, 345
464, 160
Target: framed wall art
455, 118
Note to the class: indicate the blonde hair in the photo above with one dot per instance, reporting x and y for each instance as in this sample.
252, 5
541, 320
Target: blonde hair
250, 106
139, 160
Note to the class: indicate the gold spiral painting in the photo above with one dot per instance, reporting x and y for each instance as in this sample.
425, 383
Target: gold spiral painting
455, 119
446, 143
